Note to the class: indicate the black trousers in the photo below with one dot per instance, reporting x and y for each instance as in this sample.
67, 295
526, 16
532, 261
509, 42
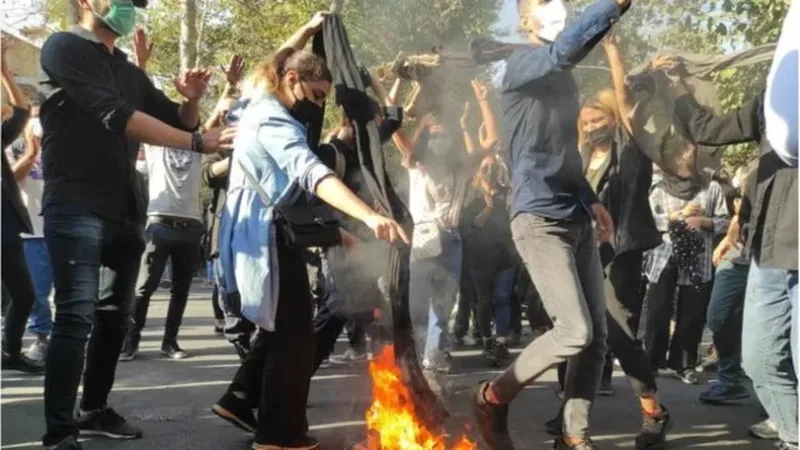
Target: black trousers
624, 296
17, 282
690, 312
180, 244
328, 325
624, 289
218, 313
276, 374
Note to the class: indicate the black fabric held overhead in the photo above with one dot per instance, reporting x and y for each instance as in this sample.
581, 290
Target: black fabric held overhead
332, 43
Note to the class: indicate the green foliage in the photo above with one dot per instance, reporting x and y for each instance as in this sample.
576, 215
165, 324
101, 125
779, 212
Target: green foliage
707, 26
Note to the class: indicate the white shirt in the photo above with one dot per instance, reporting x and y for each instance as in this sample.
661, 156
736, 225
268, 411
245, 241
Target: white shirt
174, 178
32, 187
780, 102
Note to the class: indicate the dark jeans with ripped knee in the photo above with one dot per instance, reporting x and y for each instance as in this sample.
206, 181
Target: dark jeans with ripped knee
95, 263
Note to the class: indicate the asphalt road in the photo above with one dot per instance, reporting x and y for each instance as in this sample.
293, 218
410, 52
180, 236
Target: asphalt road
170, 400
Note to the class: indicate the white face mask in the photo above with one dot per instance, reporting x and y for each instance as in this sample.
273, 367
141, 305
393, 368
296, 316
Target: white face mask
553, 18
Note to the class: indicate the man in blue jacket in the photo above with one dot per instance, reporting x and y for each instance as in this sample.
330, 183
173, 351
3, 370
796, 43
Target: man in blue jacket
552, 212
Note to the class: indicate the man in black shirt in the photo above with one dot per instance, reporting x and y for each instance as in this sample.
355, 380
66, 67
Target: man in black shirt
97, 108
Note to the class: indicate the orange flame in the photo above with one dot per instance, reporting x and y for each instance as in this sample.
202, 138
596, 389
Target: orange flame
391, 420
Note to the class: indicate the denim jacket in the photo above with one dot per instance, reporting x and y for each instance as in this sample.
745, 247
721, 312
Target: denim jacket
272, 146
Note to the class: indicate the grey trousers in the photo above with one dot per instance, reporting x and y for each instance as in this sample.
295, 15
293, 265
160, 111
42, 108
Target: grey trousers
564, 264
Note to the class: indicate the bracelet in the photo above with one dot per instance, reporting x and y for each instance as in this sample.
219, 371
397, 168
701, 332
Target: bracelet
197, 142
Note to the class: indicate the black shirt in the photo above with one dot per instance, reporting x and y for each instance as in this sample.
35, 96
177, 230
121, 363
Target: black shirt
89, 95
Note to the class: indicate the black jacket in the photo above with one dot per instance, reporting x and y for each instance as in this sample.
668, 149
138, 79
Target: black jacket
624, 189
772, 204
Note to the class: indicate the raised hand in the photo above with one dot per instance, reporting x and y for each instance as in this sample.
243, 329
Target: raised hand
663, 63
315, 24
481, 91
234, 70
141, 48
193, 84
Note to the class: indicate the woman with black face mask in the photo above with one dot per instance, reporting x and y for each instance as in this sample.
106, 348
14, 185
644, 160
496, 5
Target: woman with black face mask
621, 175
273, 164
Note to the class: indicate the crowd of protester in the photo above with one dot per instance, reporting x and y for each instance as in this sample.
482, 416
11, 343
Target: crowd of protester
554, 211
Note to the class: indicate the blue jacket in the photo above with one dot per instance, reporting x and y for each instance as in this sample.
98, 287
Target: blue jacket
540, 102
272, 146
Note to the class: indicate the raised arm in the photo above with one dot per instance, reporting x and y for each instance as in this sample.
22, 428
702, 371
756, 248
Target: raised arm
618, 78
469, 144
488, 134
22, 165
744, 124
400, 139
570, 47
13, 126
301, 37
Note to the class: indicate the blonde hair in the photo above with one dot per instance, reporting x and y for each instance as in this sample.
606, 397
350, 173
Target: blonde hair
606, 101
491, 177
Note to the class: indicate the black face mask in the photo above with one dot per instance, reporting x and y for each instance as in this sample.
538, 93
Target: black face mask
307, 113
600, 136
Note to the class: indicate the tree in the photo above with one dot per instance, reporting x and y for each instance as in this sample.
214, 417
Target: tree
188, 39
708, 26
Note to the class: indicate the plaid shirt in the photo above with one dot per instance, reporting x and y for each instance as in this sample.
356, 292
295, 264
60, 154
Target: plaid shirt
712, 202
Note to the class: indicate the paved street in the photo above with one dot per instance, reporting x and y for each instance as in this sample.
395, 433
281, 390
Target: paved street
170, 400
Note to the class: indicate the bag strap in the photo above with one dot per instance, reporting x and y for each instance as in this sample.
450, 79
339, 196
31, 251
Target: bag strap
259, 190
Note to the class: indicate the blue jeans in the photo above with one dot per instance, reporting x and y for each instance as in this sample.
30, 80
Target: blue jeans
767, 348
38, 259
494, 290
724, 318
433, 287
94, 262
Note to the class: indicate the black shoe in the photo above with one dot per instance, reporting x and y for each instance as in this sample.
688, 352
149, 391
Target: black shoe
492, 420
68, 443
555, 426
786, 446
304, 443
765, 430
496, 353
21, 363
586, 444
722, 393
653, 434
688, 376
107, 423
130, 347
170, 349
237, 411
605, 389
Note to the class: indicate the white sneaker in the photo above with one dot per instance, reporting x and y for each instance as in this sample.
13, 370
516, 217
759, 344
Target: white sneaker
349, 355
38, 350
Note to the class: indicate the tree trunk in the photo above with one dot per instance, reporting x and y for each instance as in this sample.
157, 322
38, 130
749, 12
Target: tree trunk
188, 39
